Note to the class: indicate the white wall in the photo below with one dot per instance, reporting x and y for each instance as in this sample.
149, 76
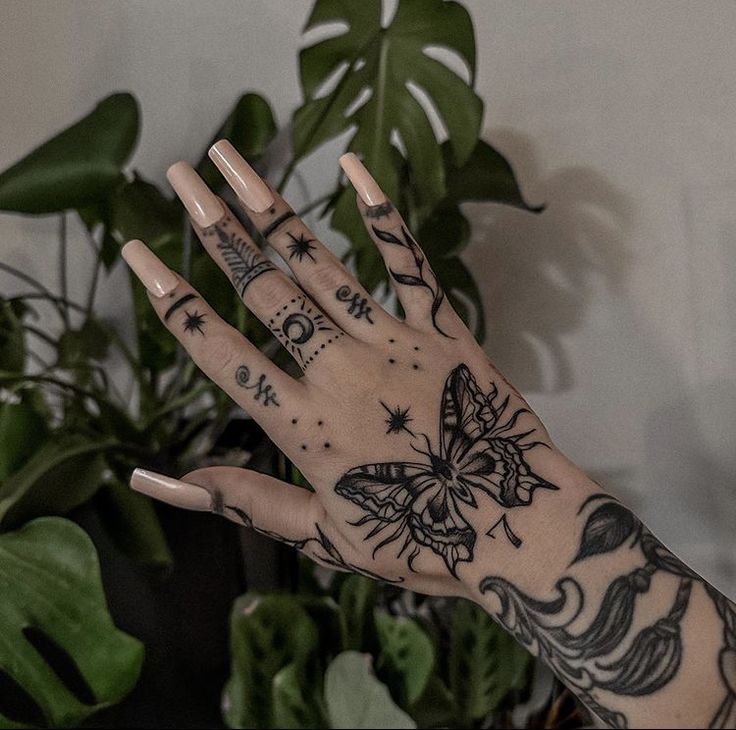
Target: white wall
614, 310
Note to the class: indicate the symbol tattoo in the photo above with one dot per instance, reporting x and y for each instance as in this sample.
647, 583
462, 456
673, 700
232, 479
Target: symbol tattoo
298, 330
357, 305
243, 258
398, 419
424, 275
513, 538
300, 247
261, 387
194, 322
420, 504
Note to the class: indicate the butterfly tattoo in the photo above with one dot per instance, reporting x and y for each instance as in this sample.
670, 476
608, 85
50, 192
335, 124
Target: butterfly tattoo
420, 504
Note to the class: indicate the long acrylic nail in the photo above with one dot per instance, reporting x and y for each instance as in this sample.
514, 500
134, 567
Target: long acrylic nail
241, 177
158, 278
363, 182
201, 203
171, 491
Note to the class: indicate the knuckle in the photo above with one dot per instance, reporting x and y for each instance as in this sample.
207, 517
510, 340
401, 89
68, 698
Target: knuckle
328, 276
269, 292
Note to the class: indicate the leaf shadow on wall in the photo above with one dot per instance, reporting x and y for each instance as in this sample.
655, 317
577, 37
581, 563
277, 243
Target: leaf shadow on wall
538, 273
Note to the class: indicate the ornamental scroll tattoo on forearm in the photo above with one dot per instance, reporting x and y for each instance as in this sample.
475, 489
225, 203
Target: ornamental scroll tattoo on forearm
606, 656
422, 503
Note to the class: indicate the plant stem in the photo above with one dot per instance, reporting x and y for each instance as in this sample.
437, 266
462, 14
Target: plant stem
62, 267
44, 293
95, 273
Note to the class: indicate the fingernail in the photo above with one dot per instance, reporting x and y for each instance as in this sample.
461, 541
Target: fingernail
201, 203
171, 491
241, 177
363, 182
158, 278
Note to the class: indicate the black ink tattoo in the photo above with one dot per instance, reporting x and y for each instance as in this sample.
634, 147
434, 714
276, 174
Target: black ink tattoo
244, 259
262, 388
379, 211
513, 538
589, 659
418, 504
424, 275
319, 548
357, 305
397, 420
194, 322
271, 228
300, 247
177, 304
298, 330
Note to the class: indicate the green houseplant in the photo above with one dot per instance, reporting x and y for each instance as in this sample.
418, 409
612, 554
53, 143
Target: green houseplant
69, 438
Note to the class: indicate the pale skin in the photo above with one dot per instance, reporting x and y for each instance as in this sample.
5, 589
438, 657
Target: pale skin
429, 469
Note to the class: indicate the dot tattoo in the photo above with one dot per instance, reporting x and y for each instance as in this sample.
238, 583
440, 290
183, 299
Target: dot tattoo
194, 322
263, 390
297, 330
397, 420
300, 247
357, 305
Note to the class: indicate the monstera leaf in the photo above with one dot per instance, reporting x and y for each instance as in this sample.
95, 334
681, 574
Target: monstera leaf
78, 166
61, 657
382, 72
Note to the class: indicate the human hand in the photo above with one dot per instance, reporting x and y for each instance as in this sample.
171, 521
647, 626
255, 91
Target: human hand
419, 451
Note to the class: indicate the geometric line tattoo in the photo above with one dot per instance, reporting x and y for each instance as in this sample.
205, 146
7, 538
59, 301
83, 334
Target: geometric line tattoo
298, 330
178, 303
422, 504
262, 388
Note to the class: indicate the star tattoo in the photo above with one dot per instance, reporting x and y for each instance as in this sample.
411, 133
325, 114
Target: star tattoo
397, 420
300, 247
193, 322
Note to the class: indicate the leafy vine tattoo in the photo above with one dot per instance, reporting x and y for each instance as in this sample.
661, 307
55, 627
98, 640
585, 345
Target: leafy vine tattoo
300, 327
590, 660
244, 260
419, 504
261, 387
319, 547
424, 275
357, 305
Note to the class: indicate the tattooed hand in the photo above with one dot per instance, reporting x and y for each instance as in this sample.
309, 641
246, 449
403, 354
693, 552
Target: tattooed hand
429, 469
420, 452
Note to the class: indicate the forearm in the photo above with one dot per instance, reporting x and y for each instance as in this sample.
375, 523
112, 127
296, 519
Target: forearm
637, 635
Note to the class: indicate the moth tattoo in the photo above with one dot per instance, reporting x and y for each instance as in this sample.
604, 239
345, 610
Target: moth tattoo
422, 503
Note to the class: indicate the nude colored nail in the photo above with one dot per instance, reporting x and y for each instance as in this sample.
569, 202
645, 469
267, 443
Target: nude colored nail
171, 491
363, 182
241, 177
201, 203
158, 278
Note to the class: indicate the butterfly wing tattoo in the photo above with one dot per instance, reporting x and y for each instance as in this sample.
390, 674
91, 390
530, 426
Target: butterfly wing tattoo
421, 504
